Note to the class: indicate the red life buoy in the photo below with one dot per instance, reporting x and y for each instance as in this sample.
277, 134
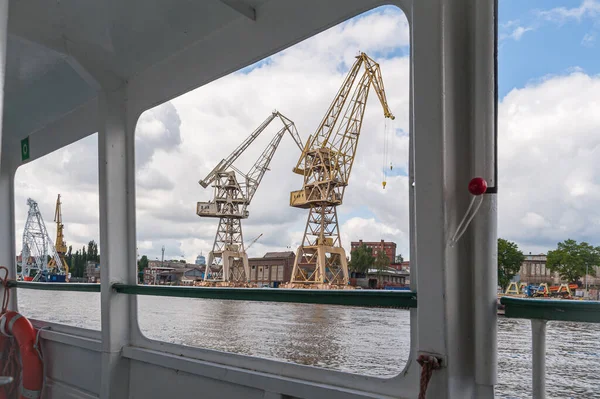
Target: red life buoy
16, 325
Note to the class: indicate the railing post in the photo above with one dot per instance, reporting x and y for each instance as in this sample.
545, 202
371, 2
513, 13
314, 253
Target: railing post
538, 358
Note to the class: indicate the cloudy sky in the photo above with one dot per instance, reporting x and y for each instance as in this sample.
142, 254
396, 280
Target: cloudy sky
549, 91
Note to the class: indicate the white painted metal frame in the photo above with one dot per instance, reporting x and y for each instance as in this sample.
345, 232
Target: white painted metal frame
538, 358
452, 139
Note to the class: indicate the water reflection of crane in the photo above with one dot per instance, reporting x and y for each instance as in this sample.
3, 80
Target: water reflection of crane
233, 193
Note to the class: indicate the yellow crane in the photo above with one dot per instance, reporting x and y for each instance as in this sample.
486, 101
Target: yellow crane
326, 163
60, 244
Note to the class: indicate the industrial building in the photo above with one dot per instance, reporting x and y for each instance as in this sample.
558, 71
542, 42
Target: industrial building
186, 275
172, 272
92, 272
272, 269
533, 270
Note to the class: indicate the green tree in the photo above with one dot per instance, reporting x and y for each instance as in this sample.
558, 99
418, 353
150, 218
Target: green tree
510, 259
571, 259
142, 263
362, 259
382, 262
92, 252
399, 258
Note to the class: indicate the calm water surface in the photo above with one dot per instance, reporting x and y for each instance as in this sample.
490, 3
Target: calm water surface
358, 340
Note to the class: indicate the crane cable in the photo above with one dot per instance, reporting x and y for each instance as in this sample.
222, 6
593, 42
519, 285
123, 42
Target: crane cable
385, 153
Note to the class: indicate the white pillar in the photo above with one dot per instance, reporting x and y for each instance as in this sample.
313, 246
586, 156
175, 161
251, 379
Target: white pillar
429, 211
453, 97
7, 228
7, 203
484, 229
3, 46
117, 238
538, 358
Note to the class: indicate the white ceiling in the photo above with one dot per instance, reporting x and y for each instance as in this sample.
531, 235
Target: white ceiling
61, 52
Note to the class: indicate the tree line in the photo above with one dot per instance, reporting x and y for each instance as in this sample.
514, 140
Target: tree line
362, 260
571, 260
77, 261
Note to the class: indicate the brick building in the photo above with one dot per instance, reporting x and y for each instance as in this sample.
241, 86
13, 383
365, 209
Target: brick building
272, 269
404, 266
377, 246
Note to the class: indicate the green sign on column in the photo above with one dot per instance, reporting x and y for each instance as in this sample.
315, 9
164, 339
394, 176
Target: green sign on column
25, 149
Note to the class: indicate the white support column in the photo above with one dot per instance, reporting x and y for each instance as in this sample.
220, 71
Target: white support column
3, 47
429, 211
117, 238
7, 227
484, 229
453, 103
7, 203
538, 358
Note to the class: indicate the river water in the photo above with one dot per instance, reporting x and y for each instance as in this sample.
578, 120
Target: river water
358, 340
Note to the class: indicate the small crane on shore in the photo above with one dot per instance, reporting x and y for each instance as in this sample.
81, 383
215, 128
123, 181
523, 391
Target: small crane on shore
61, 245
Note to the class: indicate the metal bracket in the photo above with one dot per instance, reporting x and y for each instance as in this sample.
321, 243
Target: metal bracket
442, 360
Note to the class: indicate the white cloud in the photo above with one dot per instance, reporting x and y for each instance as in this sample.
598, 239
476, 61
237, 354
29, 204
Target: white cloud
588, 40
533, 220
179, 142
587, 9
354, 229
513, 29
549, 151
519, 31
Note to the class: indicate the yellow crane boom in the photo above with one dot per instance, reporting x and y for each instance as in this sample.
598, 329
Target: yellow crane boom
326, 162
60, 244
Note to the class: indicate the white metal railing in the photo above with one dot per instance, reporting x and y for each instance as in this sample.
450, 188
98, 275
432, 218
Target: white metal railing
540, 311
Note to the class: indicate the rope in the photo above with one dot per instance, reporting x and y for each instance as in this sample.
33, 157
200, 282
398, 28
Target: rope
10, 365
383, 158
6, 290
36, 345
428, 364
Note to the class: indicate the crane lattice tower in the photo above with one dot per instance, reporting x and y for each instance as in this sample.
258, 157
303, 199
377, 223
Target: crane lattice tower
233, 192
37, 244
325, 164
